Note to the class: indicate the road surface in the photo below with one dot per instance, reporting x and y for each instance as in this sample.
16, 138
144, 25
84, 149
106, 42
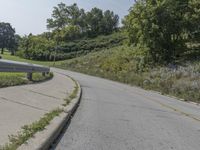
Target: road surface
114, 116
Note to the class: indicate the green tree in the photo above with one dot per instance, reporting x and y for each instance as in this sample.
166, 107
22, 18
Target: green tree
14, 44
64, 15
59, 17
70, 33
7, 36
161, 26
47, 35
37, 47
99, 22
76, 15
94, 21
193, 15
25, 44
110, 22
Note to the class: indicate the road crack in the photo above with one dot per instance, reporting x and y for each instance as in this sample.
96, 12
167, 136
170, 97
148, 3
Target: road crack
19, 103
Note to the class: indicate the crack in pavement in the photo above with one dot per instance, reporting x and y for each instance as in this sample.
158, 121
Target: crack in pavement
50, 96
19, 103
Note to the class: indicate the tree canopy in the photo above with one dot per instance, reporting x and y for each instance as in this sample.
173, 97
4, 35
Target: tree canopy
7, 37
92, 23
163, 26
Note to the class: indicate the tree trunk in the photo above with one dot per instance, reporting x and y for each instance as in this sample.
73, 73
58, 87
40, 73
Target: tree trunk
12, 52
2, 50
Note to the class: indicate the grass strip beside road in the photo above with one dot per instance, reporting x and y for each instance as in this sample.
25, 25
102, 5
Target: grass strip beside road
29, 130
73, 94
13, 79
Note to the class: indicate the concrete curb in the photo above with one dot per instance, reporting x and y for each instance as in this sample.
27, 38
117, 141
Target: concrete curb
44, 139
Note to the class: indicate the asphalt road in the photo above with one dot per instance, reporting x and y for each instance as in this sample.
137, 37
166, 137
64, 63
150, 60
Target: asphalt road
114, 116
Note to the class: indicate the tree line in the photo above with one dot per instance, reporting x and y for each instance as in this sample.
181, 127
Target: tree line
68, 24
72, 22
162, 30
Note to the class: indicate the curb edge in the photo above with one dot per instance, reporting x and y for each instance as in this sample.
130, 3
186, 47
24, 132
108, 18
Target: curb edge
44, 139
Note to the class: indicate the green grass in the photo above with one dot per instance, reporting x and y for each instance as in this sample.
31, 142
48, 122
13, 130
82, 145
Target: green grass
38, 77
72, 95
13, 79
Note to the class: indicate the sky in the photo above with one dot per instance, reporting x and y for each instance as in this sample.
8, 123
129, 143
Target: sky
29, 16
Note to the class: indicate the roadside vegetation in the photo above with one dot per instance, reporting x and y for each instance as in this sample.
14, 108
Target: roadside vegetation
13, 79
68, 50
157, 47
72, 95
123, 64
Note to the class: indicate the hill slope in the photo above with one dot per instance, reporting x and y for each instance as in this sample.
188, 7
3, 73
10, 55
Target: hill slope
120, 64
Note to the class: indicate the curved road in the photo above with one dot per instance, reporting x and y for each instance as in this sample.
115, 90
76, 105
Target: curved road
114, 116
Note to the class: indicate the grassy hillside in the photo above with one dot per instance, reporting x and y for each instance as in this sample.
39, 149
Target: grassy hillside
12, 79
121, 64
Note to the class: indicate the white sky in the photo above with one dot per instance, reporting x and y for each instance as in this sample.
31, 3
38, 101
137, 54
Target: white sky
29, 16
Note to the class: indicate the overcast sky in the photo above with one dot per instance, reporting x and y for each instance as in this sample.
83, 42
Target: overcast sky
29, 16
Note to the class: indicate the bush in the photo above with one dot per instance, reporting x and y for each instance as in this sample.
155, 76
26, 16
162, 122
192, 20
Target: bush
84, 46
39, 48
